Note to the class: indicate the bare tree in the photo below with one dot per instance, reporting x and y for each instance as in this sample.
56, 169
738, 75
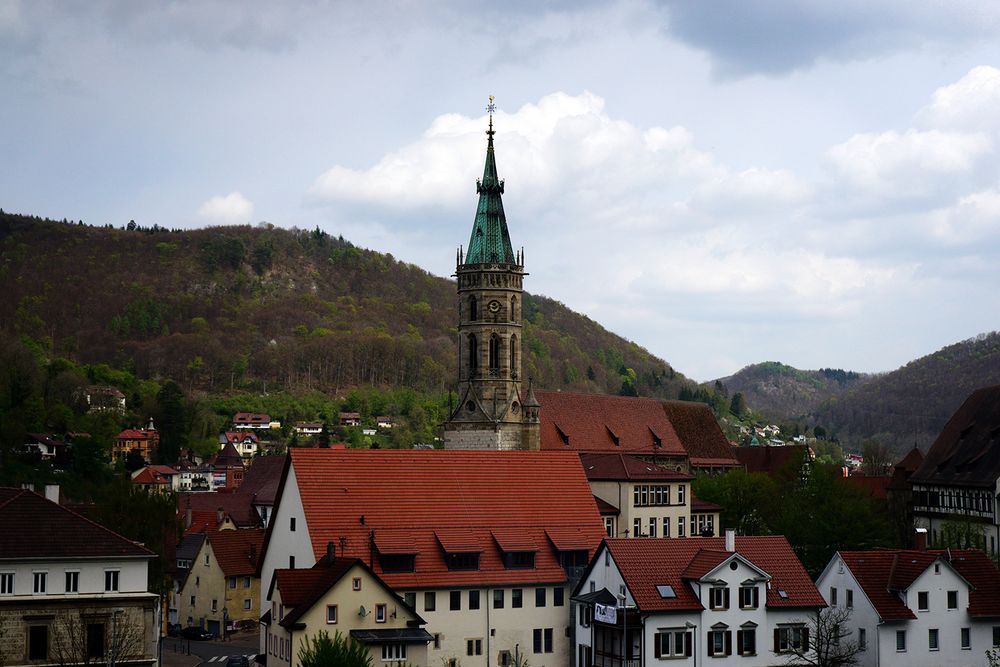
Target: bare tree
100, 636
878, 458
833, 642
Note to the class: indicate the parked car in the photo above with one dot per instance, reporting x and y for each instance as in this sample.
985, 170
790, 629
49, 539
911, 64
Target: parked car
196, 633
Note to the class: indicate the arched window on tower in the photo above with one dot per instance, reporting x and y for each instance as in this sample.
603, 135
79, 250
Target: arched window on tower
494, 354
473, 309
513, 357
473, 355
513, 309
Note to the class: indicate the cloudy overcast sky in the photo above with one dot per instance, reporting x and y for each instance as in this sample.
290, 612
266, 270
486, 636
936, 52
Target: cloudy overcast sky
723, 182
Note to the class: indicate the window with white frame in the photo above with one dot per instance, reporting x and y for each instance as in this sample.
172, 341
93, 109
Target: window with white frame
862, 639
636, 527
39, 582
680, 527
932, 639
6, 583
849, 598
680, 494
792, 639
247, 604
609, 526
672, 643
380, 613
900, 641
833, 596
72, 581
923, 601
749, 596
718, 597
111, 578
652, 526
952, 599
394, 651
666, 526
720, 641
331, 614
746, 639
966, 638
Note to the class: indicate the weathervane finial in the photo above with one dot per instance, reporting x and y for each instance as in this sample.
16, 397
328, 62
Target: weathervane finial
490, 108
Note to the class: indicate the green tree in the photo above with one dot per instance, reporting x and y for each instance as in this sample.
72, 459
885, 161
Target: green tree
738, 406
324, 437
338, 651
134, 461
173, 422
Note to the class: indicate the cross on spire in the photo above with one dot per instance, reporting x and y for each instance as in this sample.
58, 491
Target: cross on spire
490, 108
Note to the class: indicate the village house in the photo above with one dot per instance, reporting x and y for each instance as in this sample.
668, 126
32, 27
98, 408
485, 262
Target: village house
251, 420
228, 469
918, 607
484, 545
308, 429
145, 440
221, 586
104, 398
48, 447
385, 422
247, 443
260, 485
648, 500
71, 591
960, 476
349, 418
157, 478
699, 601
340, 595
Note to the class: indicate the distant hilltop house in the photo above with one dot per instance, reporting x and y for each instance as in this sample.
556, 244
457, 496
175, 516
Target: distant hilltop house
48, 447
350, 418
384, 422
104, 398
145, 440
253, 420
157, 478
309, 428
246, 443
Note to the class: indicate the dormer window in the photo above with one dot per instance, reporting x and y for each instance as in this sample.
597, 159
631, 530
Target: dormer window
614, 436
562, 435
458, 561
519, 560
397, 562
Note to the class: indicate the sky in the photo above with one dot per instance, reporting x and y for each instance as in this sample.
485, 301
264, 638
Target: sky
724, 183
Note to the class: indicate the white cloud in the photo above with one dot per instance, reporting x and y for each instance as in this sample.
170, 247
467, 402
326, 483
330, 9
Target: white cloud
972, 102
231, 209
891, 164
975, 219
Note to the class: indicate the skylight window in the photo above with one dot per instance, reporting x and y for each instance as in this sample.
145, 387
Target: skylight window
666, 591
782, 594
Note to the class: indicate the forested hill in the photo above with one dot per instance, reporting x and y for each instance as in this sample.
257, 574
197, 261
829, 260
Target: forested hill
237, 307
911, 404
783, 393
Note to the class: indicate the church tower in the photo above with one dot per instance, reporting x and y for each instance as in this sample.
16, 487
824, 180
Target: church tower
494, 411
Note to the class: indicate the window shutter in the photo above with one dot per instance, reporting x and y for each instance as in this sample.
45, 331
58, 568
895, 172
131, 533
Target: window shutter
657, 645
729, 642
756, 597
739, 641
687, 644
805, 639
725, 598
777, 641
711, 645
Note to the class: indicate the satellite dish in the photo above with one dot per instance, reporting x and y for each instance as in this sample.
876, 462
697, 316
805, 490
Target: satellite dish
362, 612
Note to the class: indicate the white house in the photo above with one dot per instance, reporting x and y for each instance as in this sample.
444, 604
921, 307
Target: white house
704, 600
919, 608
71, 591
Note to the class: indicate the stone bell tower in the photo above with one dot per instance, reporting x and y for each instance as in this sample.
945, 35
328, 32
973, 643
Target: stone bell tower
493, 411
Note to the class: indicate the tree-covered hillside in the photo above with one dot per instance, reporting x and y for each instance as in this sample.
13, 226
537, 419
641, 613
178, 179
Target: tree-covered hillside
244, 308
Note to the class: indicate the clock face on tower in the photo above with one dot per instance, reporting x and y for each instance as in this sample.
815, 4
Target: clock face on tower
494, 306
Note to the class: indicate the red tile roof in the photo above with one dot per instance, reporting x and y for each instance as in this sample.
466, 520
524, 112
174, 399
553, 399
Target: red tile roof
646, 564
599, 423
702, 506
699, 432
236, 505
261, 479
236, 437
966, 452
34, 527
619, 467
150, 476
773, 461
881, 573
509, 498
251, 418
237, 550
605, 508
138, 434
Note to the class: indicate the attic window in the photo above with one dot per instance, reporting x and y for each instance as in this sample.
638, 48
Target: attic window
614, 436
657, 441
666, 591
562, 435
782, 594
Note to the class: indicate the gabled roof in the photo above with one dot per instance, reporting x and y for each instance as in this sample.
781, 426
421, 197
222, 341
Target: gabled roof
189, 546
600, 423
615, 467
882, 573
648, 563
138, 434
251, 418
34, 527
237, 437
151, 475
605, 508
499, 499
302, 589
45, 439
699, 432
237, 550
903, 470
261, 479
968, 450
227, 457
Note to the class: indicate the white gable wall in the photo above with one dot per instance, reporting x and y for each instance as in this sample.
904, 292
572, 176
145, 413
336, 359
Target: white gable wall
284, 543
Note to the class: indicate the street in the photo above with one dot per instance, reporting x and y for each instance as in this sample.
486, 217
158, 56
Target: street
177, 652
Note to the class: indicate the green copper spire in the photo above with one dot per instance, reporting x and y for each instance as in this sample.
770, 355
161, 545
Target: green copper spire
490, 242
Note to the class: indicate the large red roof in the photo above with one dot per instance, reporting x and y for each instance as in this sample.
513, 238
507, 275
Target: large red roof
699, 432
497, 499
883, 572
599, 423
648, 563
614, 466
34, 527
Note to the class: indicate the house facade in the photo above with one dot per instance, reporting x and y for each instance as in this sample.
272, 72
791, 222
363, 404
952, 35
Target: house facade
919, 608
340, 595
246, 443
699, 601
490, 546
145, 440
221, 586
251, 420
960, 476
71, 591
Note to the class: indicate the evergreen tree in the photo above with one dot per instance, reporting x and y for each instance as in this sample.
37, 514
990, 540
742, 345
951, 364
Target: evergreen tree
173, 423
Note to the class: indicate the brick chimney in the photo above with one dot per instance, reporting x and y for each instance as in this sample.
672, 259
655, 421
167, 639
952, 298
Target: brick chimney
730, 541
